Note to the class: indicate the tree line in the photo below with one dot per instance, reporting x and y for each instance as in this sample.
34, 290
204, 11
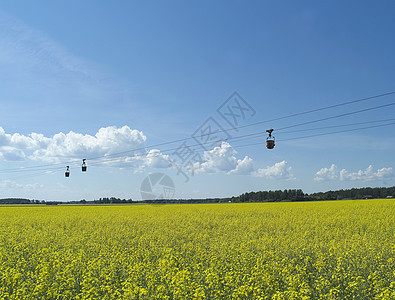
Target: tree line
261, 196
298, 195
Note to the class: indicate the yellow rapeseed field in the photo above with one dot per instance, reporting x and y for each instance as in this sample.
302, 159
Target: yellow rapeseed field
316, 250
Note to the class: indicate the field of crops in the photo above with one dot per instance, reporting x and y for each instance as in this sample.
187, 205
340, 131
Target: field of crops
318, 250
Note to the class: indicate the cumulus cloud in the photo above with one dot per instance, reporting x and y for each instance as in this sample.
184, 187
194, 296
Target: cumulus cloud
64, 146
279, 170
16, 140
369, 174
106, 141
219, 159
156, 159
223, 159
11, 154
70, 145
243, 167
327, 174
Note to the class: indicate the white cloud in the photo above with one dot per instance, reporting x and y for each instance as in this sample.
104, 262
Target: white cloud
70, 145
327, 174
223, 159
279, 170
155, 159
11, 154
76, 145
369, 174
219, 159
110, 140
243, 167
384, 173
15, 140
138, 162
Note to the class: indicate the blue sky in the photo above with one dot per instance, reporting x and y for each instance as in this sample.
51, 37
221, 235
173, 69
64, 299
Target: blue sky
90, 79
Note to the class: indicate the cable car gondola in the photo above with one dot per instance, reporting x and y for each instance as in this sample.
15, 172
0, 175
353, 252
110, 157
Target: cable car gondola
270, 140
67, 173
84, 167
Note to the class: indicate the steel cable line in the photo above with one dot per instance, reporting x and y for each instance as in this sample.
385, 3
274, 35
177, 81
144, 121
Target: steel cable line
340, 131
318, 109
295, 125
243, 137
334, 126
262, 122
319, 134
259, 143
248, 125
36, 174
105, 159
253, 124
30, 170
309, 129
40, 166
245, 145
257, 134
337, 116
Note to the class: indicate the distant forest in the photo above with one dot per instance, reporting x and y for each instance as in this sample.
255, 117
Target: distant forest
262, 196
298, 195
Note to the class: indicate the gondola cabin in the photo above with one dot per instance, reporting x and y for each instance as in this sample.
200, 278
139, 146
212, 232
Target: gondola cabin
67, 173
270, 140
84, 167
270, 143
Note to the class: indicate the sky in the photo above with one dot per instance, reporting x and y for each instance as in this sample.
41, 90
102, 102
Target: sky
173, 98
